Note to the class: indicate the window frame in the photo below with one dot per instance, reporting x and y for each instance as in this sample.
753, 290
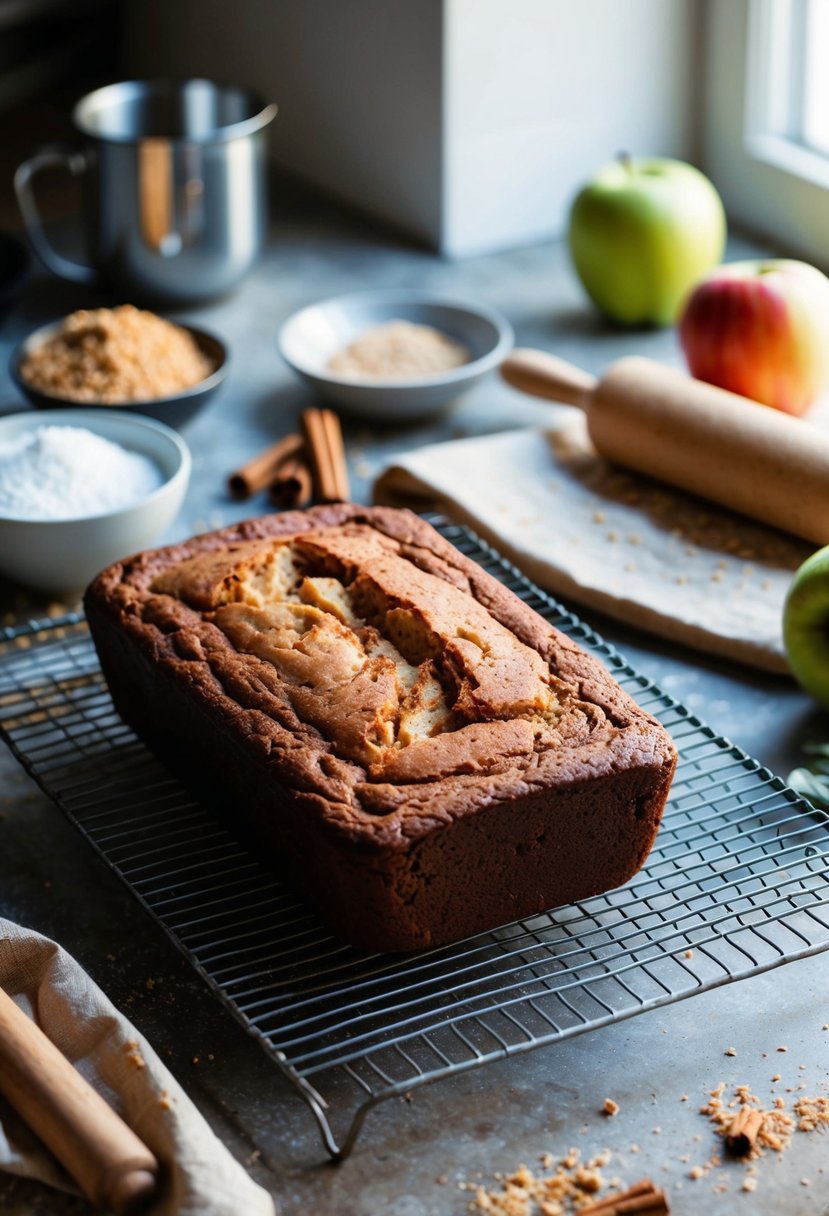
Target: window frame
771, 181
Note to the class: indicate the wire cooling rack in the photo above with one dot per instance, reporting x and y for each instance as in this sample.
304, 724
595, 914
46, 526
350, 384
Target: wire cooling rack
736, 884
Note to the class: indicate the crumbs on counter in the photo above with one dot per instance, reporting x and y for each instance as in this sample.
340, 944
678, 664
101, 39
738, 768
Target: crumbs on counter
523, 1192
750, 1128
133, 1054
570, 1188
399, 350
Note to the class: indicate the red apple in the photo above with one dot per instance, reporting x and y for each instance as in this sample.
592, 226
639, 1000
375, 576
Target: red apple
761, 329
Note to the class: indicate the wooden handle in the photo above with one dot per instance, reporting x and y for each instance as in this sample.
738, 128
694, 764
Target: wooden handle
543, 375
155, 191
112, 1166
660, 422
753, 459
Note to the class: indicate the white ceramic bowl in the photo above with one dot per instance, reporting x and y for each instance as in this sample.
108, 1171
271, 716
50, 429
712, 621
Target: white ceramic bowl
64, 555
310, 337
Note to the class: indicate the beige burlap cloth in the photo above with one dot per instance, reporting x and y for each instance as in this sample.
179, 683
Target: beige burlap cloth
200, 1175
602, 538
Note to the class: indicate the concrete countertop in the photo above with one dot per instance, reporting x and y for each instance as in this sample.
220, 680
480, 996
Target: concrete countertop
412, 1155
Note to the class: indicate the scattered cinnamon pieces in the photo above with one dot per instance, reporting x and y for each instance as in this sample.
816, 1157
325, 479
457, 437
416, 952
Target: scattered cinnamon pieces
642, 1199
572, 1188
566, 1190
741, 1136
772, 1130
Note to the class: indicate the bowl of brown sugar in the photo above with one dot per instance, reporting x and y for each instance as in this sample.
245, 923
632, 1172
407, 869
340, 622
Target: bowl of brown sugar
393, 356
124, 358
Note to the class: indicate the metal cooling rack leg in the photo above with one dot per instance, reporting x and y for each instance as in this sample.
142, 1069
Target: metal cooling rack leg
339, 1152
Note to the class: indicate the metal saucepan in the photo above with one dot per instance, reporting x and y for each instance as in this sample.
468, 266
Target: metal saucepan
175, 203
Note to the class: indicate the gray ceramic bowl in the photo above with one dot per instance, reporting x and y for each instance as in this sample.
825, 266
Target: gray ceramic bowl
310, 337
63, 555
174, 411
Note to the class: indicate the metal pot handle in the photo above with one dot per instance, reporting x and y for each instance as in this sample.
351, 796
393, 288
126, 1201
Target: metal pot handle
46, 158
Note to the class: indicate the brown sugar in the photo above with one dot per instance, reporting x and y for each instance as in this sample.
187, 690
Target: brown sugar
108, 356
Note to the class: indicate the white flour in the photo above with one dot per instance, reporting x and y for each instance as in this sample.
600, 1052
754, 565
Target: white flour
67, 472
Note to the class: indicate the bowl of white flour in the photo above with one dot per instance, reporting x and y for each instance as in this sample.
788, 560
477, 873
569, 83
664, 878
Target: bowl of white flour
80, 489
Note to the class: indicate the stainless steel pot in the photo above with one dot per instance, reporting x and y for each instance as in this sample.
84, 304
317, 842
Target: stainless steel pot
175, 203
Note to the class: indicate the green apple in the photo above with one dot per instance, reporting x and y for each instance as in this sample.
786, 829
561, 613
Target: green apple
642, 233
806, 626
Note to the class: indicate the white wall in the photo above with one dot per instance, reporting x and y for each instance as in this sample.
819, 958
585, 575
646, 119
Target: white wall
539, 93
358, 84
467, 123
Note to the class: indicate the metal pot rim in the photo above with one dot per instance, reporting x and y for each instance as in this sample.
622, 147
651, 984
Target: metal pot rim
261, 114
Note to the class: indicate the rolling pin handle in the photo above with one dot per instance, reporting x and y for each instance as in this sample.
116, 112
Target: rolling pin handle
543, 375
111, 1165
133, 1193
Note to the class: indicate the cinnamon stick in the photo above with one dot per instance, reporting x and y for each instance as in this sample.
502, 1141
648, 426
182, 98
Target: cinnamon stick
641, 1199
292, 487
326, 453
262, 469
743, 1131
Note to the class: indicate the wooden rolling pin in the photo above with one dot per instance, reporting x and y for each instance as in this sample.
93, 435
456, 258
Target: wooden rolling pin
723, 447
113, 1168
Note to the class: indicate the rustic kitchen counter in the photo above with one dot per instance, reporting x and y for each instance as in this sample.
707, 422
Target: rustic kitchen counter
412, 1154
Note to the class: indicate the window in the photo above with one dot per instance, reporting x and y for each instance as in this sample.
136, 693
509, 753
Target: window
815, 93
766, 126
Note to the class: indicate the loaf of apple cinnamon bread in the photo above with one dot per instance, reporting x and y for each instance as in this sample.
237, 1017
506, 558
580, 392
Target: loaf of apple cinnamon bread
424, 754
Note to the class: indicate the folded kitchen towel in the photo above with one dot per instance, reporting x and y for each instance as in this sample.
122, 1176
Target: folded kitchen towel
200, 1175
603, 538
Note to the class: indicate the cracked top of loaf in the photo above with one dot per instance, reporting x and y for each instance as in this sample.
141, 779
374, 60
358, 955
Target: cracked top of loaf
378, 671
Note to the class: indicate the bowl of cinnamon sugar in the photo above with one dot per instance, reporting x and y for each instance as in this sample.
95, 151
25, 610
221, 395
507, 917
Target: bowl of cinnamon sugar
124, 358
393, 356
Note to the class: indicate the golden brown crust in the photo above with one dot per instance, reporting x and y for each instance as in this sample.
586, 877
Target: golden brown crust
387, 690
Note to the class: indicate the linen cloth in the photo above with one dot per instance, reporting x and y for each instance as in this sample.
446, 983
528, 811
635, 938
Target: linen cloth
603, 538
200, 1176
